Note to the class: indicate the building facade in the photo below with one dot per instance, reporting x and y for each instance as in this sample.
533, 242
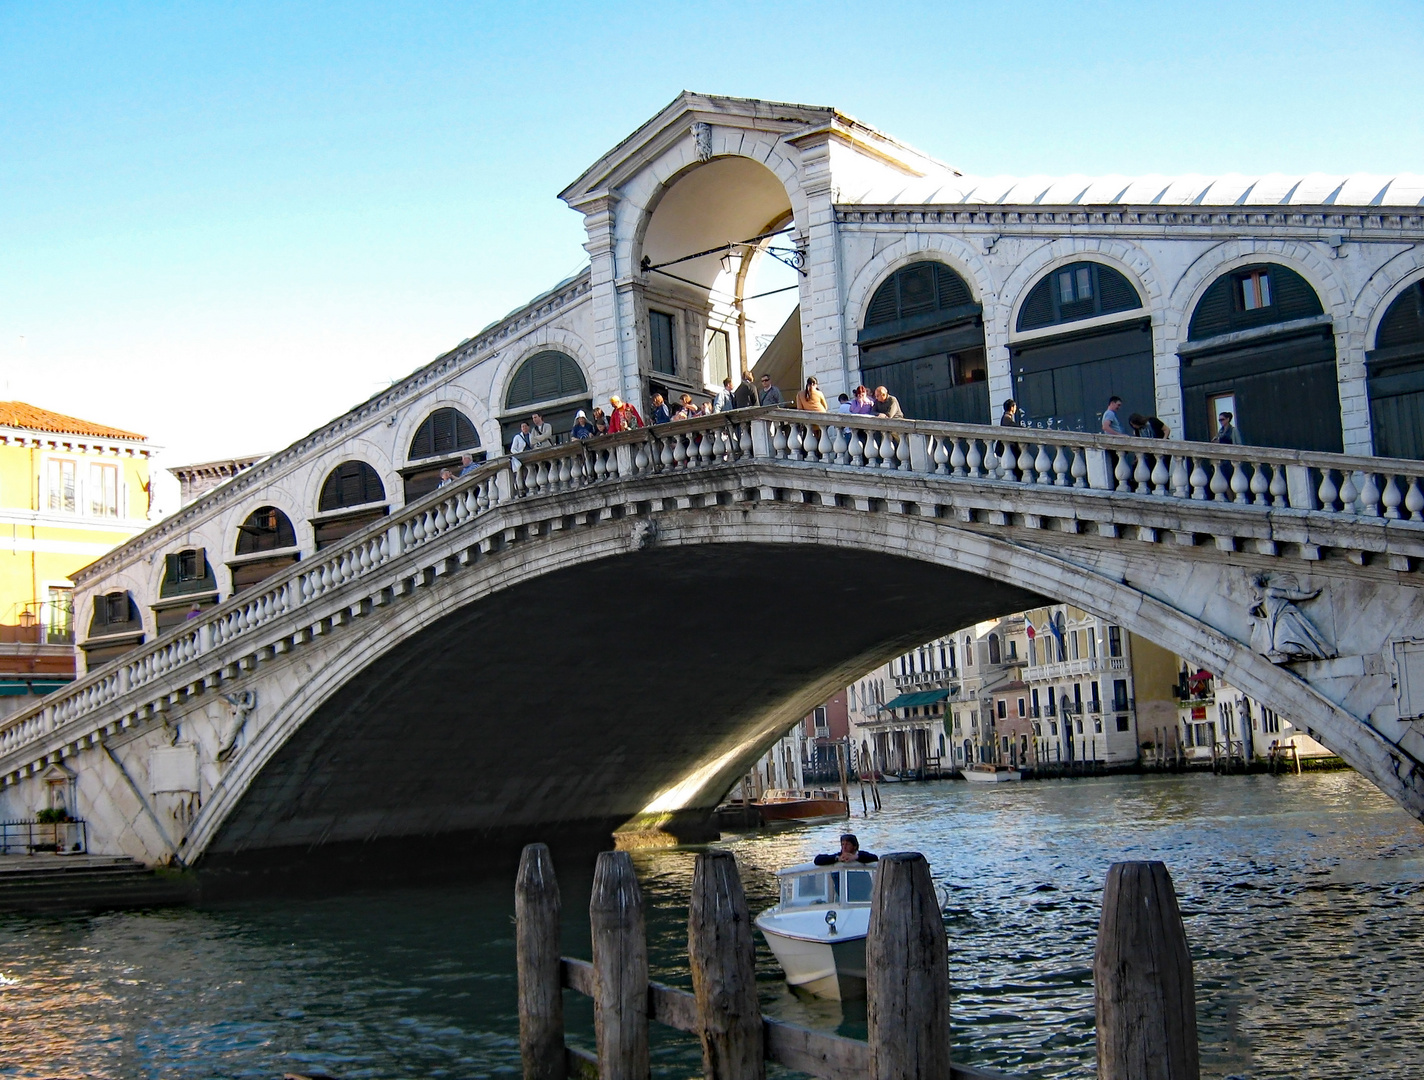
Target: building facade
70, 491
1188, 297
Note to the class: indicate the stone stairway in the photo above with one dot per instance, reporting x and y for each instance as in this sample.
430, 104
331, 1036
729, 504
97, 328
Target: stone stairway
86, 882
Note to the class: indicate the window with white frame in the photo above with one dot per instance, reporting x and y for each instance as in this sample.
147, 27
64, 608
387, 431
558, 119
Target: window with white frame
61, 495
104, 490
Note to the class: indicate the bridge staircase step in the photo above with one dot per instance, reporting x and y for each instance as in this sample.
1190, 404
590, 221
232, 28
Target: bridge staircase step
86, 882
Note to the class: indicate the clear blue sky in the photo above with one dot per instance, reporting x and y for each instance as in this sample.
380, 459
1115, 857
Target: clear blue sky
222, 224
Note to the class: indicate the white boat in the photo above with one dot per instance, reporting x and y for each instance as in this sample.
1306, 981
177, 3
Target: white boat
817, 932
984, 773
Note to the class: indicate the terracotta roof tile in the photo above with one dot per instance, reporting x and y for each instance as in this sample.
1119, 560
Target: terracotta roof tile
19, 414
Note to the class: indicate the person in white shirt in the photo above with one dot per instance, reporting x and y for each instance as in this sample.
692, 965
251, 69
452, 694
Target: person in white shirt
542, 433
522, 443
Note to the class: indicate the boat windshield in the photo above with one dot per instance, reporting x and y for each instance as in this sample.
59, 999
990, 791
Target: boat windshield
830, 887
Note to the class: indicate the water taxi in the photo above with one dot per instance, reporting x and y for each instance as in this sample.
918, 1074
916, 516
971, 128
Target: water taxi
817, 931
984, 773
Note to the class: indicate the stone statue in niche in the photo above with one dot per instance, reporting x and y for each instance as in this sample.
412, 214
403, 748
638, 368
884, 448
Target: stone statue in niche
703, 134
1280, 631
242, 704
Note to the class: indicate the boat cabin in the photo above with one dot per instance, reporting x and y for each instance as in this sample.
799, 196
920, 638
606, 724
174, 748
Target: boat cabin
809, 884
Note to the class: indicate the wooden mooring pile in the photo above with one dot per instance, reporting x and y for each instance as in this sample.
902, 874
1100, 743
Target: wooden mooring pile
1146, 1002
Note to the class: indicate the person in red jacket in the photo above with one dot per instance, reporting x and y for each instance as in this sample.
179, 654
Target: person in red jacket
625, 417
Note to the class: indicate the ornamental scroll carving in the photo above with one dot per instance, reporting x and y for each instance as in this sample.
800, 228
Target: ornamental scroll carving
1280, 630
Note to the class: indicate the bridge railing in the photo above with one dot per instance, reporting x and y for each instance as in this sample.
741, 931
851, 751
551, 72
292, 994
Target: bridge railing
1256, 477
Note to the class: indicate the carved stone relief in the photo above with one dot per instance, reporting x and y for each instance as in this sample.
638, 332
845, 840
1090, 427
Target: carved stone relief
1280, 630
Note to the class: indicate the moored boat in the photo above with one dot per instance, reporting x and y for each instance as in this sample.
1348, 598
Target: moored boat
784, 806
817, 931
984, 773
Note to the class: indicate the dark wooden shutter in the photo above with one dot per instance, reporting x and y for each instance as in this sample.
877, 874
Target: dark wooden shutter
1115, 292
883, 308
1220, 310
953, 289
1037, 309
1403, 323
171, 569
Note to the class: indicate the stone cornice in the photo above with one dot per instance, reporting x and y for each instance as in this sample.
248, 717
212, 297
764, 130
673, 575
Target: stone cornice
1404, 223
468, 353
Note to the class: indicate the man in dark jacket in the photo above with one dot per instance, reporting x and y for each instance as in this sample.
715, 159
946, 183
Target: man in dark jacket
745, 395
887, 404
770, 395
849, 852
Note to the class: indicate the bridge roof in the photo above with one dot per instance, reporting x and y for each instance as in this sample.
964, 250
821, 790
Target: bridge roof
1191, 189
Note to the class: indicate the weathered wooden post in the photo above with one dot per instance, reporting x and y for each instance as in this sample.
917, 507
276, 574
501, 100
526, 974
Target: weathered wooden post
541, 999
620, 969
1142, 976
907, 974
723, 958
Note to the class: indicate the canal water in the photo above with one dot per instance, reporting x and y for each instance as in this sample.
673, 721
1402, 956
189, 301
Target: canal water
1303, 899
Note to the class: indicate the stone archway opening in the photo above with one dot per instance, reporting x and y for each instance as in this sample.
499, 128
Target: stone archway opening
718, 290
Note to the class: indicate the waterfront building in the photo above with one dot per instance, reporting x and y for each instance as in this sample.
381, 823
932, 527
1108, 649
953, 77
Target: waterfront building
825, 733
1218, 724
897, 712
70, 491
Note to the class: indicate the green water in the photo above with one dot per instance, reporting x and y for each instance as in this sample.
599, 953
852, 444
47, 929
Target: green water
1303, 899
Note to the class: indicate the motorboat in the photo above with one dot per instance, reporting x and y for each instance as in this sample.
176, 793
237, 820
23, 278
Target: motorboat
784, 806
817, 931
984, 773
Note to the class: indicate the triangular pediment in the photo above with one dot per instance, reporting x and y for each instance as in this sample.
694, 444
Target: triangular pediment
674, 123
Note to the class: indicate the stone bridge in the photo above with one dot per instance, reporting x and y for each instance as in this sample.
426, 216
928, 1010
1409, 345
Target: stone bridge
617, 629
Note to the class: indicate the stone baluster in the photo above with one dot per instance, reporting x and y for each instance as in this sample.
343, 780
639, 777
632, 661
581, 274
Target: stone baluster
854, 448
1240, 482
902, 452
674, 455
745, 442
1060, 468
1414, 500
641, 459
887, 450
1079, 468
778, 439
1219, 484
1349, 493
1142, 475
1280, 487
1391, 497
1369, 495
991, 458
973, 459
840, 445
1043, 465
940, 456
1260, 485
825, 446
1123, 472
1328, 492
1198, 479
1161, 475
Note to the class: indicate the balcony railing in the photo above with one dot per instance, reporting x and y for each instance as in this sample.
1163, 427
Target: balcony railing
925, 678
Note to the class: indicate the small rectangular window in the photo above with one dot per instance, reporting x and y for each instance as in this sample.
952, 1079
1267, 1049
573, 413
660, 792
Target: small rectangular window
1021, 707
1122, 722
1052, 701
60, 486
116, 608
819, 716
1065, 287
719, 357
1255, 290
660, 342
1114, 641
1120, 695
104, 490
1003, 709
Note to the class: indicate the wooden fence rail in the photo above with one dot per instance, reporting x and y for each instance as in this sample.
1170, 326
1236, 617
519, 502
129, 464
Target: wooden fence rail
1143, 981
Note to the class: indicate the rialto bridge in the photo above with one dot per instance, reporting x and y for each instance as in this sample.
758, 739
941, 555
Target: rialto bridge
316, 651
616, 630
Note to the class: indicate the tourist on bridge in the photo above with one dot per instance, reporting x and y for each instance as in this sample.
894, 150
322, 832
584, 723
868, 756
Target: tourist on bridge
770, 395
1011, 414
541, 433
467, 464
725, 397
600, 421
810, 398
745, 396
1111, 424
861, 404
1147, 427
849, 852
661, 414
522, 443
887, 404
447, 476
1227, 433
582, 429
625, 417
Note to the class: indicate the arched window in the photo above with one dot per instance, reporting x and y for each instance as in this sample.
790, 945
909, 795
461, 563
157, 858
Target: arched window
1396, 377
995, 653
554, 383
352, 483
923, 340
188, 582
1258, 338
1079, 290
445, 431
1064, 380
266, 529
115, 628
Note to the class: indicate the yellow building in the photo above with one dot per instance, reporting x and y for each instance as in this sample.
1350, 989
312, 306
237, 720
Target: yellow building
70, 490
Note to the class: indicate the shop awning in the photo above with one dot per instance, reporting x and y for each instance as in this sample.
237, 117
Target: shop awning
20, 687
911, 701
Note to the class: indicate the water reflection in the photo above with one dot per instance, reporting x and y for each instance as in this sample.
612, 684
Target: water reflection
1303, 898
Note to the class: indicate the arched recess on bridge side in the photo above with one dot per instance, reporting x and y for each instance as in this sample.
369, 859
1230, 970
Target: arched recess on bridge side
1268, 355
549, 382
352, 495
921, 336
1394, 361
1136, 266
444, 434
703, 318
358, 731
266, 542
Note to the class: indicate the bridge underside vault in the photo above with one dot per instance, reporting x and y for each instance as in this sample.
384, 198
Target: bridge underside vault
576, 697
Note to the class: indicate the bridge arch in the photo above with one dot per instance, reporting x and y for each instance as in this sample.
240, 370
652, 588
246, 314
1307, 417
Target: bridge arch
348, 706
